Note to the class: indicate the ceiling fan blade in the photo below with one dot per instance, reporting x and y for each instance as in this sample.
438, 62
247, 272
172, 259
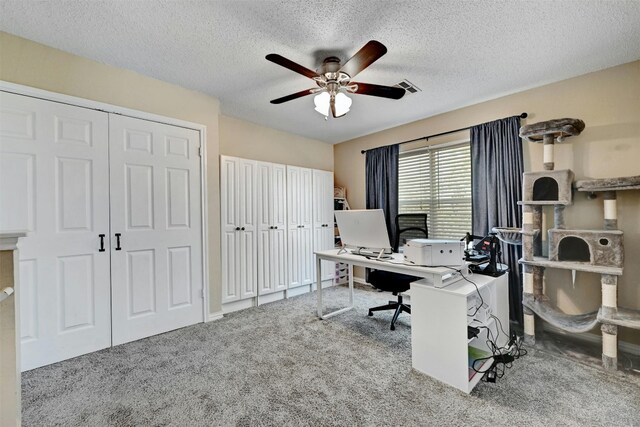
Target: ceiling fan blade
293, 96
366, 56
391, 92
287, 63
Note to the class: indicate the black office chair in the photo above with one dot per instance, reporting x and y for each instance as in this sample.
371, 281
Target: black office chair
408, 226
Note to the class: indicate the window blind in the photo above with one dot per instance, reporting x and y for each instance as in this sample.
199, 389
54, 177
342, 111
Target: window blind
437, 181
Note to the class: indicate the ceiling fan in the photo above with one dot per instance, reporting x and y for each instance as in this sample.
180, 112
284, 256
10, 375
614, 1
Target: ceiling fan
334, 80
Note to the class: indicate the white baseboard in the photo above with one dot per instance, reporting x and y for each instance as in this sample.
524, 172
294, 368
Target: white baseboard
359, 280
242, 304
266, 299
214, 316
298, 290
625, 346
325, 284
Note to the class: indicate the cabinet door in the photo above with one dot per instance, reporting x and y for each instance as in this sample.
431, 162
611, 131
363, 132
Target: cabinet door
307, 259
293, 196
319, 204
293, 257
294, 225
279, 221
248, 228
305, 198
155, 208
229, 170
328, 199
264, 213
54, 183
279, 259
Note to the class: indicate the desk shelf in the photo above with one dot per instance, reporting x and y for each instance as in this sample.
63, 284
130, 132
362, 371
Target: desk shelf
439, 344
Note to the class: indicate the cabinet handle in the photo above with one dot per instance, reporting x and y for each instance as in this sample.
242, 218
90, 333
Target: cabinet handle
101, 236
118, 248
242, 229
237, 228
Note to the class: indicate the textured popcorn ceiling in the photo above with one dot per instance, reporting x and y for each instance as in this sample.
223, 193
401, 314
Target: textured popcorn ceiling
458, 52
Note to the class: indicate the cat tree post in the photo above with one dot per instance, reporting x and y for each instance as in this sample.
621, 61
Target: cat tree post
548, 142
610, 290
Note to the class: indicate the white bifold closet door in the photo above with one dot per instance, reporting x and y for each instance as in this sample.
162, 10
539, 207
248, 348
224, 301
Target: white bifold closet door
299, 227
112, 209
323, 230
155, 228
54, 183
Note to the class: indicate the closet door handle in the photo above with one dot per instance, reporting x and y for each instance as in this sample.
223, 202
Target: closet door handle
101, 236
242, 229
237, 228
118, 248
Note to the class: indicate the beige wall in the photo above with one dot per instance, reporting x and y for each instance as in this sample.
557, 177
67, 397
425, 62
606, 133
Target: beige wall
609, 103
32, 64
240, 138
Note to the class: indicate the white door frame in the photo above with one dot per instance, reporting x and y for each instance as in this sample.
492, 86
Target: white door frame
108, 108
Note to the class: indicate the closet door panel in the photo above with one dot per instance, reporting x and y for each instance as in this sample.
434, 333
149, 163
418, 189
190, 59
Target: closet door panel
279, 259
156, 255
279, 222
264, 209
248, 223
229, 218
54, 183
306, 197
307, 259
294, 261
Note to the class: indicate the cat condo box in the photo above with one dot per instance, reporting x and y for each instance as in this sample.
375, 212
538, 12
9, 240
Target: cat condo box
432, 252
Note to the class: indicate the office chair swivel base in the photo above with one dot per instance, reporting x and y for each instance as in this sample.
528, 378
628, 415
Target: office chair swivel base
398, 306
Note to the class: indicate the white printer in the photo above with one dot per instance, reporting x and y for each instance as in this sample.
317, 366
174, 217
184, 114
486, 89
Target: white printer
432, 252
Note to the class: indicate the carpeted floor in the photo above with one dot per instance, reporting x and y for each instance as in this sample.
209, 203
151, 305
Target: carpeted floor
277, 365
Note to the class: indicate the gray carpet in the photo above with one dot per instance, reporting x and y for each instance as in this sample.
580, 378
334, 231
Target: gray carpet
278, 365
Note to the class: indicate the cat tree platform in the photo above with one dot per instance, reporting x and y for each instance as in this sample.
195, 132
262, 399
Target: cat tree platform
609, 184
620, 317
575, 323
558, 129
569, 265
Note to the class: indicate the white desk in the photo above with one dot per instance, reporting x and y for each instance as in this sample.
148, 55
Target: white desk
440, 276
439, 344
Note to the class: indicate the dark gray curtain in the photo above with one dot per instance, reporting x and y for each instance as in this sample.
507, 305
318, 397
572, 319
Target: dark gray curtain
381, 175
496, 171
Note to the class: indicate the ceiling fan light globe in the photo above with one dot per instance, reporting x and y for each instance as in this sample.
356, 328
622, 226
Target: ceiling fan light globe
343, 104
322, 103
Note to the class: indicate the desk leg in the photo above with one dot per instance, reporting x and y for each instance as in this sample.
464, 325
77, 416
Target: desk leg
350, 284
319, 284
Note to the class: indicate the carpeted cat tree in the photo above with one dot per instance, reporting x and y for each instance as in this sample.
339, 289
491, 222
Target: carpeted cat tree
594, 251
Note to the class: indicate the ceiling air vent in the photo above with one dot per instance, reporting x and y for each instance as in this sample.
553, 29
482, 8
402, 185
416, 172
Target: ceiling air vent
408, 86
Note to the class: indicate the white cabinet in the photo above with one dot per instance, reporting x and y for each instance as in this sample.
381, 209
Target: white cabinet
271, 227
299, 226
442, 316
323, 218
273, 217
239, 228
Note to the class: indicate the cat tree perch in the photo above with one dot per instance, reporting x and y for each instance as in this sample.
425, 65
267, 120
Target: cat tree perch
594, 251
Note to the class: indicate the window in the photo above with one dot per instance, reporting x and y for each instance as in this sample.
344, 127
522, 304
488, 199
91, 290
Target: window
437, 181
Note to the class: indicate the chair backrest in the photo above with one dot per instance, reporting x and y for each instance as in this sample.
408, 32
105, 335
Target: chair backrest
410, 226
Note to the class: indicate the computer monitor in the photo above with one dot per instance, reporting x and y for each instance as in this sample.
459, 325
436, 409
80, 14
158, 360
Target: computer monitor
364, 229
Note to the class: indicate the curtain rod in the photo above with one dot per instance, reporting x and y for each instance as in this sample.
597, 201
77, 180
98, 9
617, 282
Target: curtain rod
426, 138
